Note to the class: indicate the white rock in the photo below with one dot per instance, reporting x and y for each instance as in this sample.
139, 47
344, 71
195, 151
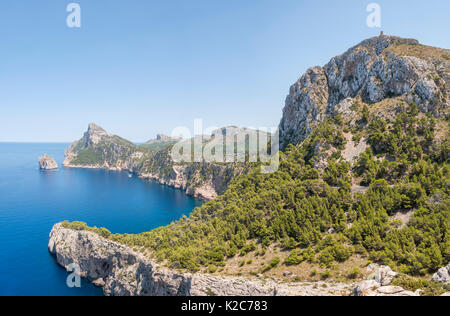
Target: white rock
373, 267
47, 163
443, 275
390, 290
385, 275
366, 288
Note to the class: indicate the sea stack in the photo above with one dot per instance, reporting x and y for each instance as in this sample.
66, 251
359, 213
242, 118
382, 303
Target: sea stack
47, 163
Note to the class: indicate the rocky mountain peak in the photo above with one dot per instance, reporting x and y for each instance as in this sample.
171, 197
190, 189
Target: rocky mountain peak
96, 129
378, 68
94, 134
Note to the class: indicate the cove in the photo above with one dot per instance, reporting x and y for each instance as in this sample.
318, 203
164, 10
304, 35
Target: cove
32, 201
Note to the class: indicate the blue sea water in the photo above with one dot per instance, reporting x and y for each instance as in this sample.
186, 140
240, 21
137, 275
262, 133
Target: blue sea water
32, 201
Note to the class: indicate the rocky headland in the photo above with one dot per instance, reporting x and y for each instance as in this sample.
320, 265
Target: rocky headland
100, 150
121, 271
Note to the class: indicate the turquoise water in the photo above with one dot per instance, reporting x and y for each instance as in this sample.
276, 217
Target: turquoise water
32, 201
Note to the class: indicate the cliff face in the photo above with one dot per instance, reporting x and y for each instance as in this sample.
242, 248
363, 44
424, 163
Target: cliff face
47, 163
377, 69
100, 150
123, 272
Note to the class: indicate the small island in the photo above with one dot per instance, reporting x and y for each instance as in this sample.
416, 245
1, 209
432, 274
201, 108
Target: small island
47, 163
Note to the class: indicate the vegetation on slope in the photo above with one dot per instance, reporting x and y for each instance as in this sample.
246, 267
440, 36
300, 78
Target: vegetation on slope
157, 146
108, 151
313, 214
88, 156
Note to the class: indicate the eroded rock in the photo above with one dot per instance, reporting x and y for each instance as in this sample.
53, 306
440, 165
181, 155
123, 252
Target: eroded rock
385, 276
47, 163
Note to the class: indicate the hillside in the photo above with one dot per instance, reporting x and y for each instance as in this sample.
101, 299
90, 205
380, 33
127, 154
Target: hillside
364, 177
205, 180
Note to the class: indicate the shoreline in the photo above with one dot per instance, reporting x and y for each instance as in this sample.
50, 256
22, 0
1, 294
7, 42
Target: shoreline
150, 177
121, 271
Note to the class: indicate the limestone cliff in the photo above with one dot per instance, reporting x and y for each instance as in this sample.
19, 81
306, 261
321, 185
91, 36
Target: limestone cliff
123, 272
377, 69
100, 150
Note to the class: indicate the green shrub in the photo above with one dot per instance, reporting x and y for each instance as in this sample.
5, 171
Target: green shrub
354, 273
428, 288
275, 262
326, 275
295, 258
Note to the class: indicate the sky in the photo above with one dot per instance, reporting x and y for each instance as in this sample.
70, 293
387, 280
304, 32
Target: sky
142, 67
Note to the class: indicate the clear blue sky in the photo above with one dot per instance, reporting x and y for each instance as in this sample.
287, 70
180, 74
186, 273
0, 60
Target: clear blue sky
142, 67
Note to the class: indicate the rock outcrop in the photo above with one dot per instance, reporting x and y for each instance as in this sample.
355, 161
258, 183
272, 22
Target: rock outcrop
47, 163
380, 284
123, 272
98, 149
120, 271
443, 275
378, 68
382, 274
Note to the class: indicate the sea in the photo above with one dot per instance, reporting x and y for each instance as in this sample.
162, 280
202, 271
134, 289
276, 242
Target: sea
33, 200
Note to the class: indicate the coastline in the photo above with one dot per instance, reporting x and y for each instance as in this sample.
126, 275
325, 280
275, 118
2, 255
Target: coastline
205, 193
121, 271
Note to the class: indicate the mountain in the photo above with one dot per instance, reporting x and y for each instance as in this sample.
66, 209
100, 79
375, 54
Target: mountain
162, 141
363, 182
99, 149
161, 138
381, 71
152, 160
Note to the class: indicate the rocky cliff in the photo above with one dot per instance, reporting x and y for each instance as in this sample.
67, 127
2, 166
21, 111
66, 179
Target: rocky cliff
377, 69
443, 275
123, 272
47, 163
100, 150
